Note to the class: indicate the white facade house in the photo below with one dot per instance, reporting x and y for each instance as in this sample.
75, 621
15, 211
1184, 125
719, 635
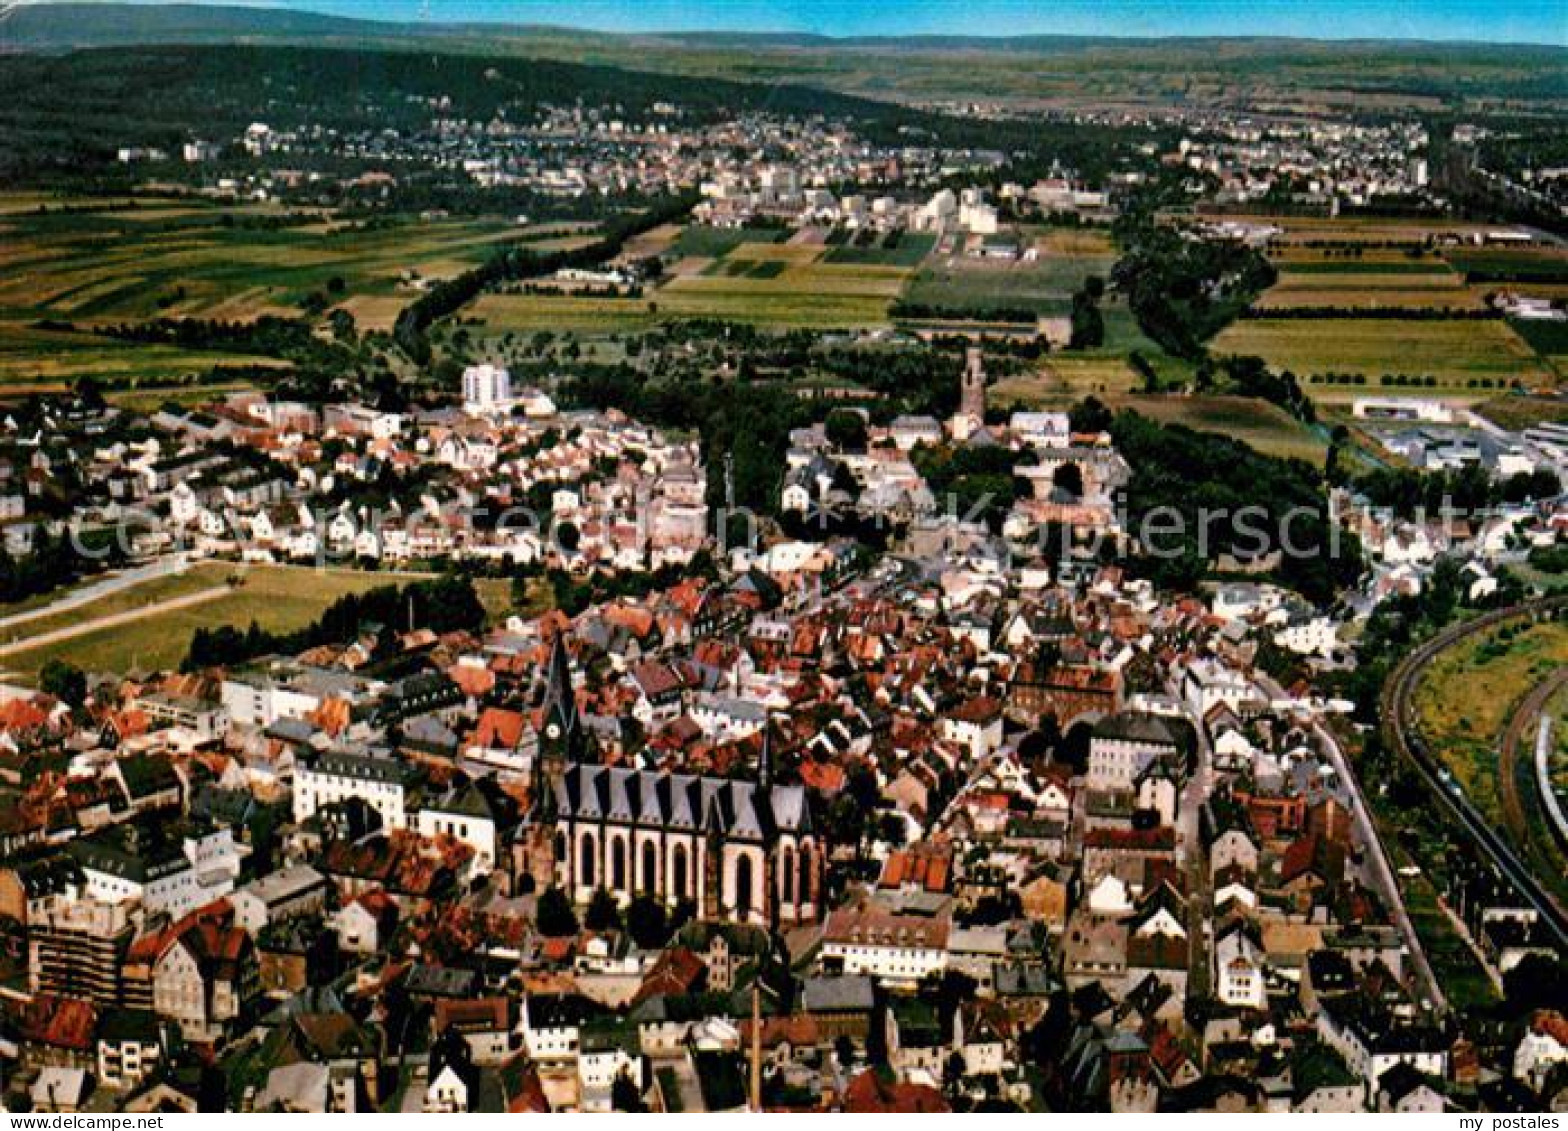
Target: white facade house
1238, 970
381, 783
464, 815
896, 950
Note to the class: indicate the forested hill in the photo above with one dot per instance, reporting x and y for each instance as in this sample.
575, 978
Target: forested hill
82, 105
66, 112
58, 27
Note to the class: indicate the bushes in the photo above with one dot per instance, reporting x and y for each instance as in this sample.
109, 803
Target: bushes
1175, 469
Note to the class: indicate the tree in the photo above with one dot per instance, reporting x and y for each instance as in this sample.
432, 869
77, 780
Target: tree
624, 1093
89, 392
647, 923
1089, 415
1537, 982
846, 429
1088, 325
64, 681
603, 912
953, 1075
554, 915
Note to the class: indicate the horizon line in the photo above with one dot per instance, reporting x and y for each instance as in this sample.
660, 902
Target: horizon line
431, 21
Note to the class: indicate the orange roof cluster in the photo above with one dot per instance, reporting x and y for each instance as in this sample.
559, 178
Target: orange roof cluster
928, 865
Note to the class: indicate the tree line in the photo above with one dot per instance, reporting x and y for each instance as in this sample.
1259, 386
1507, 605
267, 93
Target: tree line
443, 604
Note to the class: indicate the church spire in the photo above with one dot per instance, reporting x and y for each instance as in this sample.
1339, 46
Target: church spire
560, 700
765, 759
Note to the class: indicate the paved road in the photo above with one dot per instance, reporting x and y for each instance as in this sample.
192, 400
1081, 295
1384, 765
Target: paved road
97, 590
1398, 720
82, 628
1381, 871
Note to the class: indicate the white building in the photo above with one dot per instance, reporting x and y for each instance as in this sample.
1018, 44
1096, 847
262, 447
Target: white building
487, 388
382, 783
893, 948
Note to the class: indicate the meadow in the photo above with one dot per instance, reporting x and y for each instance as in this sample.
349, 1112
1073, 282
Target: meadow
1454, 352
1502, 264
37, 359
278, 598
1467, 697
1044, 285
763, 282
177, 258
1263, 426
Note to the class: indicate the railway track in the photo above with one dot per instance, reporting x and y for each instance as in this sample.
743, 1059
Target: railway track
1396, 711
1520, 732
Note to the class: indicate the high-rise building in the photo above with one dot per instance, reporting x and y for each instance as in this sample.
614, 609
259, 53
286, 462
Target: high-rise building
77, 945
486, 388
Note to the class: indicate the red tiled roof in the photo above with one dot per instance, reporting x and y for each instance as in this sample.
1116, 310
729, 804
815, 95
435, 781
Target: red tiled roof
870, 1093
498, 729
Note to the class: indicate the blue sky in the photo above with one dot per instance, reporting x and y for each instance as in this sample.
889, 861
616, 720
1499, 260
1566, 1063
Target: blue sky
1517, 21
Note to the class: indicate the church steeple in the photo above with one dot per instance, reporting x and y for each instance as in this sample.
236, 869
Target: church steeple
563, 733
765, 759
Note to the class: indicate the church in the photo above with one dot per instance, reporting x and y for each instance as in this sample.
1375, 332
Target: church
740, 851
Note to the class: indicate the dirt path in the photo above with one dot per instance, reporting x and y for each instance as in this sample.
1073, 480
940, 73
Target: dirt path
114, 620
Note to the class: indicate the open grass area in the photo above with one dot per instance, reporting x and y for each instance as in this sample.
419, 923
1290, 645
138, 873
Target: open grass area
771, 284
1044, 285
576, 314
1256, 423
1516, 412
40, 360
1371, 286
896, 249
1510, 263
1549, 339
1453, 351
1469, 692
1259, 424
172, 258
710, 243
278, 598
1455, 965
1309, 262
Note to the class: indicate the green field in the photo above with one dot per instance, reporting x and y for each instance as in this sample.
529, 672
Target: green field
174, 258
39, 360
711, 243
1365, 266
1453, 351
907, 250
1467, 695
1504, 263
1549, 339
770, 284
278, 598
1432, 286
1257, 423
1044, 286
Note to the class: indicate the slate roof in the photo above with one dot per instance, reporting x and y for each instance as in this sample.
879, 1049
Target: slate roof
651, 799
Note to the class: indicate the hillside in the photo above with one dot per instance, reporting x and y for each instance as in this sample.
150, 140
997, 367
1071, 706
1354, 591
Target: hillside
1039, 69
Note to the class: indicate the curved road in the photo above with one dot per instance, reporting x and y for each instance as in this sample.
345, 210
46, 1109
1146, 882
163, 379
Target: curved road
1399, 729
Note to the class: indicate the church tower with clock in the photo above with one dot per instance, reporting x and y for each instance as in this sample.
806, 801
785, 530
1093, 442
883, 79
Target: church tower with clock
562, 741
